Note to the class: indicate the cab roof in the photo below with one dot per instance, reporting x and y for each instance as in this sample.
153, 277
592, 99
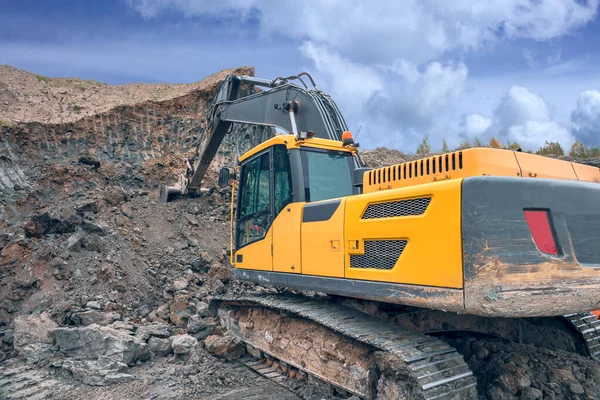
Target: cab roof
292, 142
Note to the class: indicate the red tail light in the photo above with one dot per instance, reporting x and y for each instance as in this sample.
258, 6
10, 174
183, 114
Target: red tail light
541, 230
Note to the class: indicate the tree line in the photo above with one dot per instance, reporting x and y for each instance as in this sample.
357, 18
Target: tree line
578, 149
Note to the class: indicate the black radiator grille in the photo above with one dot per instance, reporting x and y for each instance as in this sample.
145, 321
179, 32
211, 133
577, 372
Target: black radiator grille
379, 254
398, 208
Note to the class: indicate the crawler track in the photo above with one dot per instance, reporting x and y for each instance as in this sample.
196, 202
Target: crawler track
588, 327
429, 368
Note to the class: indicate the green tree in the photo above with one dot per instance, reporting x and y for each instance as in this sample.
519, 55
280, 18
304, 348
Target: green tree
424, 147
495, 143
477, 143
513, 145
551, 148
578, 150
445, 148
465, 144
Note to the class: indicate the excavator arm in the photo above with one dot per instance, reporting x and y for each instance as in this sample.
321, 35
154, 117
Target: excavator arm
296, 109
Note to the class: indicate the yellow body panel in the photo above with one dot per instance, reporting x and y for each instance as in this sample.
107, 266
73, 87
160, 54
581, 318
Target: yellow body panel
323, 251
534, 166
456, 165
587, 173
286, 239
475, 162
433, 254
291, 142
257, 255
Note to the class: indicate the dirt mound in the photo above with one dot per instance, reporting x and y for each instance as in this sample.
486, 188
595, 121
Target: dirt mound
382, 156
518, 371
81, 219
86, 243
27, 97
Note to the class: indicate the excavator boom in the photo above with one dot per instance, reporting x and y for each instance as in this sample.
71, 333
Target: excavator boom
285, 105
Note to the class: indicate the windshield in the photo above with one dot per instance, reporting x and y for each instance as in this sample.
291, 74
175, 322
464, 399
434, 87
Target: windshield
327, 174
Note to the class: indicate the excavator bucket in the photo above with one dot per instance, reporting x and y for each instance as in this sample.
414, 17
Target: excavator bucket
169, 193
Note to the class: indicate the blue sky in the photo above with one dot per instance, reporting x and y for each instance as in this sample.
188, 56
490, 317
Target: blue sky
520, 70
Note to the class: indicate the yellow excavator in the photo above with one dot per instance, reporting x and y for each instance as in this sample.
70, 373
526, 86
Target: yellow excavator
485, 241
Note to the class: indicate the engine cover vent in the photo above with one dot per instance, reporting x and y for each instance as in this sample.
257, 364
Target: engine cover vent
398, 208
379, 254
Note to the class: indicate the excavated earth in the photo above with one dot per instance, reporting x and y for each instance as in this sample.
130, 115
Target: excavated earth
104, 291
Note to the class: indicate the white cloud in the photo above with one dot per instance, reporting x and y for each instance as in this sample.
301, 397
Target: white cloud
387, 101
586, 117
231, 8
525, 118
518, 106
414, 95
474, 125
383, 32
351, 84
380, 60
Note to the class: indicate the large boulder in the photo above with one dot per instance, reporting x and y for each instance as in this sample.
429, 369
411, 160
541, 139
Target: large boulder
183, 344
53, 220
33, 337
220, 272
180, 284
145, 332
194, 324
159, 347
227, 346
179, 312
98, 317
31, 329
100, 372
200, 327
211, 287
202, 309
202, 263
100, 342
115, 196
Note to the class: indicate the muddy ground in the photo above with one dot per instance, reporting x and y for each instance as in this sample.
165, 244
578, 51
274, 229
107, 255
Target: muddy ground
104, 290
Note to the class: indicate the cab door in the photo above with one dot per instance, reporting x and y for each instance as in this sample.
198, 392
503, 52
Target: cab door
254, 234
288, 216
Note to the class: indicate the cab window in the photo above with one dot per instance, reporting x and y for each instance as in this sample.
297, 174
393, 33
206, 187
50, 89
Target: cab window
327, 174
282, 178
254, 214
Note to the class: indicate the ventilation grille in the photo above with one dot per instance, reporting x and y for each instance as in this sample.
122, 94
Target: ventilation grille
379, 254
413, 169
398, 208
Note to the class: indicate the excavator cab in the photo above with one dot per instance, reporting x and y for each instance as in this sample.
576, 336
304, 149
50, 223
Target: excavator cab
278, 179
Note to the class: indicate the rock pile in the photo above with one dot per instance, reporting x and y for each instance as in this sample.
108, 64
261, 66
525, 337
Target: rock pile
97, 277
512, 371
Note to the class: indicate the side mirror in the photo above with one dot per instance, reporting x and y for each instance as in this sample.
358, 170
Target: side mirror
224, 177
